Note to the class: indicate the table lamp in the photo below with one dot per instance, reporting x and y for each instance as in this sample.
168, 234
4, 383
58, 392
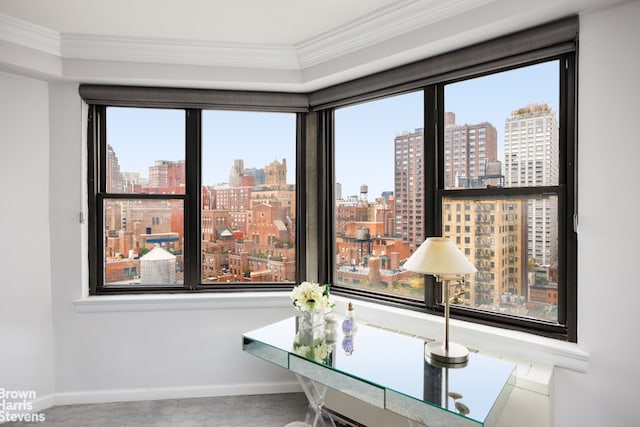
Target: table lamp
439, 257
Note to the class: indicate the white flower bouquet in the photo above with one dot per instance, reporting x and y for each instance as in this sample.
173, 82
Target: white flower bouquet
310, 296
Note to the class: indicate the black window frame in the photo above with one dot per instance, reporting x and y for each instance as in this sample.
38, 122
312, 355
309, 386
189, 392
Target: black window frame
565, 192
192, 102
557, 41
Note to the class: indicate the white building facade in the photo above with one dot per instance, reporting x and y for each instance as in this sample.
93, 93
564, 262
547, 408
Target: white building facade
531, 152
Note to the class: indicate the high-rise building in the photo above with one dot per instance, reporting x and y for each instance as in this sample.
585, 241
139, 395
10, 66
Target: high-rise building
237, 171
167, 174
531, 148
467, 150
276, 174
409, 176
258, 174
115, 182
132, 182
492, 235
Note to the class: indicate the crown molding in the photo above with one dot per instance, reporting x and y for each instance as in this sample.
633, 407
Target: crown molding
26, 34
168, 51
383, 24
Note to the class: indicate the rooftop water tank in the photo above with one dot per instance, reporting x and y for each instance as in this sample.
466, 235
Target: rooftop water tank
158, 267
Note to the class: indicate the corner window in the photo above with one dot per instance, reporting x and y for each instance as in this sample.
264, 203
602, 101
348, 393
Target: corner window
477, 145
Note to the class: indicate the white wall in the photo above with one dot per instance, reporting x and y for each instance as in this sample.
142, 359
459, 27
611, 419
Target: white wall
162, 352
609, 151
26, 334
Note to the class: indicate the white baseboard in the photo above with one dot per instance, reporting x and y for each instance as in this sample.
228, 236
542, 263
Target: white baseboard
42, 403
130, 395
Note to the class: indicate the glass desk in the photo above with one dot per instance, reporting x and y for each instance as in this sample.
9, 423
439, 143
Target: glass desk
385, 369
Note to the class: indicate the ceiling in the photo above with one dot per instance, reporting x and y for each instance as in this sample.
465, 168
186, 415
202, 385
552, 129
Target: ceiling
239, 21
295, 45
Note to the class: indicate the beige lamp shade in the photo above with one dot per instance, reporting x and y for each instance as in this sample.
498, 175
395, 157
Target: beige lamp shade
440, 257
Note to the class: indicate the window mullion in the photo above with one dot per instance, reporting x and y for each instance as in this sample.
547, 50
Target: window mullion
326, 223
192, 217
301, 196
433, 160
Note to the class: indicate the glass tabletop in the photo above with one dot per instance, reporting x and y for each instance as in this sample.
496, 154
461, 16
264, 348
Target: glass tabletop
395, 364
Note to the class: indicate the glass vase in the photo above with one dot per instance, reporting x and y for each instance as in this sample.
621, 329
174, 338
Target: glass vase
311, 319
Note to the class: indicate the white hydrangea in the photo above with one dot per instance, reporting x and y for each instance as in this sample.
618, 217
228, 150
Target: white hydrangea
309, 296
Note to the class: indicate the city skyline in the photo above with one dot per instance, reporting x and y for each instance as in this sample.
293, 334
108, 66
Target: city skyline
142, 136
366, 132
145, 180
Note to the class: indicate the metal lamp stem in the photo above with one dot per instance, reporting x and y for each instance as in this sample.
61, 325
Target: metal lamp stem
445, 283
451, 354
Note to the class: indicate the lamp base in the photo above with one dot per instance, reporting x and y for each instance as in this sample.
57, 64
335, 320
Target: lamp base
457, 354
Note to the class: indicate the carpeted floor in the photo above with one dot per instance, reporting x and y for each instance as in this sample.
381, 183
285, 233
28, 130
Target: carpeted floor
267, 410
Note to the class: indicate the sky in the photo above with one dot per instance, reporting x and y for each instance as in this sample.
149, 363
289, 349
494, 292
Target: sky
364, 133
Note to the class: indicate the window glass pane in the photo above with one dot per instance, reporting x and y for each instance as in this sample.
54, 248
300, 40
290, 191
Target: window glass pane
145, 151
502, 129
379, 194
248, 197
143, 243
513, 244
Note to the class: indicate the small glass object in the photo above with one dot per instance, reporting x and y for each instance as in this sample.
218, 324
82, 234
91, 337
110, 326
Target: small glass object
347, 345
349, 323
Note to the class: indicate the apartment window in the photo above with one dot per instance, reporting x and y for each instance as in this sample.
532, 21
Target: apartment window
185, 199
514, 104
505, 200
372, 178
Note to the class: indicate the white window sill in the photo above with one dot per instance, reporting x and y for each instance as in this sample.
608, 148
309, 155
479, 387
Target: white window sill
164, 302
